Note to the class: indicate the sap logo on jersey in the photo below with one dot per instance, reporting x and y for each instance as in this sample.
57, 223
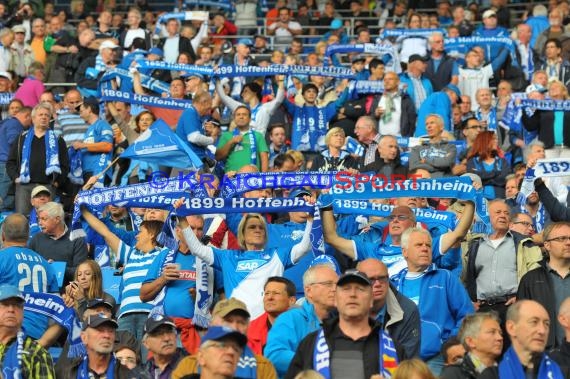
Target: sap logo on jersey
249, 265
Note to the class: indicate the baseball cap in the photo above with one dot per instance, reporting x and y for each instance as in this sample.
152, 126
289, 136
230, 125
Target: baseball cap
455, 89
227, 47
417, 57
156, 321
5, 74
489, 13
227, 306
8, 291
218, 333
298, 192
245, 41
95, 321
191, 75
108, 44
535, 87
39, 189
336, 24
156, 51
94, 303
18, 29
353, 276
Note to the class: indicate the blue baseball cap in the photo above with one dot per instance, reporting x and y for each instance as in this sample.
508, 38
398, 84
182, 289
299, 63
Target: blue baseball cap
156, 51
454, 88
298, 192
336, 24
218, 333
8, 291
245, 41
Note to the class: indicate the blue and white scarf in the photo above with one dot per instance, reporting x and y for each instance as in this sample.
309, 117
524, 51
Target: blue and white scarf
387, 356
147, 81
491, 118
547, 104
461, 45
242, 183
53, 307
75, 168
83, 369
354, 147
232, 71
187, 68
544, 168
511, 367
182, 16
401, 32
6, 97
52, 155
12, 363
366, 208
109, 94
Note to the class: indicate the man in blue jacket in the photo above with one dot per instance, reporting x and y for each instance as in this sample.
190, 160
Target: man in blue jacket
295, 324
442, 300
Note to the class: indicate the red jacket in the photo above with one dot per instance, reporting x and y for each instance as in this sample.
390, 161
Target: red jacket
257, 334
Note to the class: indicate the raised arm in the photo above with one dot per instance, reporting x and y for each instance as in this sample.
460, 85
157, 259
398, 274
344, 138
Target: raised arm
449, 239
196, 248
97, 225
303, 246
331, 236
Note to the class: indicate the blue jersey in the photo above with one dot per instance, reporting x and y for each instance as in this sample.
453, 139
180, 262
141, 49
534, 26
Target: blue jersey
136, 264
178, 302
26, 269
188, 123
245, 273
99, 131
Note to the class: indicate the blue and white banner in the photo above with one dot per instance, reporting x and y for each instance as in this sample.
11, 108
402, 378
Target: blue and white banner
242, 183
52, 306
407, 33
109, 94
160, 145
231, 71
162, 65
182, 16
543, 168
461, 45
366, 208
148, 82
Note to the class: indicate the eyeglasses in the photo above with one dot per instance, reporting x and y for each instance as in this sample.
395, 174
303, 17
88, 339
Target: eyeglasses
328, 284
398, 217
380, 279
562, 239
525, 223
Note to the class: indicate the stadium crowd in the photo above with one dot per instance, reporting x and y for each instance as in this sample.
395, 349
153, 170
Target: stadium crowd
467, 284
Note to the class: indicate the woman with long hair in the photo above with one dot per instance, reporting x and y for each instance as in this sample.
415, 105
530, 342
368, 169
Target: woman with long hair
487, 161
87, 285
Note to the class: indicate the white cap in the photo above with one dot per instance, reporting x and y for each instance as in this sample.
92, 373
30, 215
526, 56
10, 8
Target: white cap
108, 44
489, 13
5, 74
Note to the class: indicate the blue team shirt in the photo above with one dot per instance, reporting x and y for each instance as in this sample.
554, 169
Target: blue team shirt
136, 268
188, 123
99, 131
178, 302
245, 273
30, 272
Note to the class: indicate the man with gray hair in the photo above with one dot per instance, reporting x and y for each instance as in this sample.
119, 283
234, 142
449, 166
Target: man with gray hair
441, 298
527, 325
441, 69
482, 338
54, 244
295, 324
37, 157
437, 157
366, 130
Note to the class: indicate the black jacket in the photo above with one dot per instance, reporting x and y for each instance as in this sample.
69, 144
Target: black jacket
442, 76
561, 355
493, 372
407, 118
303, 359
184, 46
381, 167
537, 285
69, 370
557, 211
463, 370
543, 122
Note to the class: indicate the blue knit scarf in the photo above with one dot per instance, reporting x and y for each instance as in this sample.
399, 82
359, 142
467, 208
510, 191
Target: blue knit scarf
511, 367
52, 155
12, 363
